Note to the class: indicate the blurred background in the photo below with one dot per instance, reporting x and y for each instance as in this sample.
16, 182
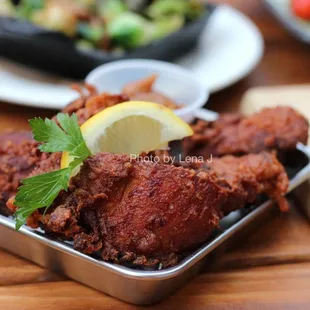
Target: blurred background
46, 45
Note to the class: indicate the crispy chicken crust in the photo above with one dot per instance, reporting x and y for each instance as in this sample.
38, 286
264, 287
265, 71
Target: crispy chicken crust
143, 213
19, 153
147, 213
250, 175
143, 90
89, 103
18, 157
279, 128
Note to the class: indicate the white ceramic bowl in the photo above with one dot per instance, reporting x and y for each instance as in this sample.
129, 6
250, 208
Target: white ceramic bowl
175, 82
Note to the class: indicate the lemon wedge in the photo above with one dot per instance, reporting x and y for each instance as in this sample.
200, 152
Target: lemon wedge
131, 128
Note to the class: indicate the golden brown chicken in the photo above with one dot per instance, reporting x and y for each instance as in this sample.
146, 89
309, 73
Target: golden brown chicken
143, 90
279, 128
18, 157
19, 153
147, 213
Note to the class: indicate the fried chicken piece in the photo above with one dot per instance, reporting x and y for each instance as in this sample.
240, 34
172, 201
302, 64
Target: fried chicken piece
85, 91
142, 90
142, 86
88, 104
85, 107
250, 175
146, 213
19, 153
91, 102
18, 157
48, 164
279, 128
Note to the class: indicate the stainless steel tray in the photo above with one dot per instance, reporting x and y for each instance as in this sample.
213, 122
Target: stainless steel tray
130, 285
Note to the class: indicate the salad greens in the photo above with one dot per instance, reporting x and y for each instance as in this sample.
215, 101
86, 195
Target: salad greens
108, 24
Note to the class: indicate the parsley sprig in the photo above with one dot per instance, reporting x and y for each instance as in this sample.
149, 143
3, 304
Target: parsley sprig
40, 191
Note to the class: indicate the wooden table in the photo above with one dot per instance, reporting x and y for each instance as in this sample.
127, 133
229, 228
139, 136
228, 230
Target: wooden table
270, 270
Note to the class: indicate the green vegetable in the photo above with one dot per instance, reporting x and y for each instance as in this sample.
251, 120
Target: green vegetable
41, 190
127, 24
195, 9
166, 26
136, 5
27, 7
129, 30
109, 9
161, 8
188, 8
87, 4
92, 33
34, 4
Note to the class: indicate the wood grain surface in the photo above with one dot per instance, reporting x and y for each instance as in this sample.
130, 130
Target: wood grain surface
269, 270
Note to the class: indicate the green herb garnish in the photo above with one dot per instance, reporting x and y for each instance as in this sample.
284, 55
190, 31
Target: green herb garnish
40, 191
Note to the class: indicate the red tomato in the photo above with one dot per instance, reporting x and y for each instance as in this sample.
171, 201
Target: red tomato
301, 8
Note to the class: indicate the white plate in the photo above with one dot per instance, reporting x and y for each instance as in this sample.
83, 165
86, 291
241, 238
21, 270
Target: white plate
229, 49
282, 10
173, 81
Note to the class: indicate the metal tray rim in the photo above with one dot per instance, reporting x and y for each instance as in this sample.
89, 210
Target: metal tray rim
171, 272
